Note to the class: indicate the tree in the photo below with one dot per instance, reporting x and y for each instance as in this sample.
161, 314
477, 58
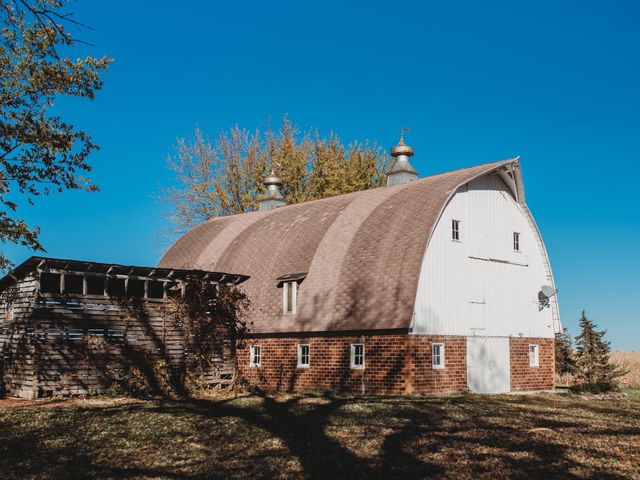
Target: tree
225, 176
565, 361
40, 153
594, 370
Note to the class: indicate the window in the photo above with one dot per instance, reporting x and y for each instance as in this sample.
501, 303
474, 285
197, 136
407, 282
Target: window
516, 241
357, 355
115, 287
135, 288
155, 289
49, 282
9, 311
533, 356
73, 284
304, 356
455, 230
437, 355
255, 356
95, 285
290, 291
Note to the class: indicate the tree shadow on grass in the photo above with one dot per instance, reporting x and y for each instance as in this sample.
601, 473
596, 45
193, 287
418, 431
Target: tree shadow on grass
309, 436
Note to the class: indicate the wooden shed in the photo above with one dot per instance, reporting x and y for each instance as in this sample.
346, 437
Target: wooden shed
70, 327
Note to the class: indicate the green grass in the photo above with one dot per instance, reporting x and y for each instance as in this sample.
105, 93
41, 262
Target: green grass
306, 436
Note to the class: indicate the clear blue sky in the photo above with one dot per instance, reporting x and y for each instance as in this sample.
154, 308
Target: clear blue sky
554, 82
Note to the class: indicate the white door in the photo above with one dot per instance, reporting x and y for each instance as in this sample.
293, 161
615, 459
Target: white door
488, 366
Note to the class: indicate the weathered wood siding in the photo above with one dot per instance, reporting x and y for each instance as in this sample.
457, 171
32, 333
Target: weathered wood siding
81, 344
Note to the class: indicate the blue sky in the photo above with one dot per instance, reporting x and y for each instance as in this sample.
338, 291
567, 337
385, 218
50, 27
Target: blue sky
553, 82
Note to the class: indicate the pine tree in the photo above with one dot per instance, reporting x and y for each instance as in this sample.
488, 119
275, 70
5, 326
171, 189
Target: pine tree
594, 371
565, 361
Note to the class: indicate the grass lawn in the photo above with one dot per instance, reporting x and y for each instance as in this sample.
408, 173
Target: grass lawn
305, 436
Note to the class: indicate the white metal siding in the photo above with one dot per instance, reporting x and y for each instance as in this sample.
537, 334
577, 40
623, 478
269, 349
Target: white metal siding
480, 285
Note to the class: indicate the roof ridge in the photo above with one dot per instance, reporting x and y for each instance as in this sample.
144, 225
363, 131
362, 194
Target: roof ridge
342, 195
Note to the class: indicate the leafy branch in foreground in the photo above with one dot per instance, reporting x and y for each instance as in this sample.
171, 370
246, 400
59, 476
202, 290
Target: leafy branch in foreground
40, 152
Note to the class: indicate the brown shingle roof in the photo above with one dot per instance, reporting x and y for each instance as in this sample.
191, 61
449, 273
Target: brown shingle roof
362, 253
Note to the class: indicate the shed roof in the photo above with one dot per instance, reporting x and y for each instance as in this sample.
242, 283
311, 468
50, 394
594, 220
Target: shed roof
80, 266
362, 253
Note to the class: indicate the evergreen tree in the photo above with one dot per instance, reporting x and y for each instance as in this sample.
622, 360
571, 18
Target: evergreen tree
565, 361
594, 371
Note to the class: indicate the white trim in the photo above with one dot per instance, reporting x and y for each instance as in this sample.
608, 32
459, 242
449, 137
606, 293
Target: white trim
353, 356
534, 355
294, 298
300, 347
252, 357
441, 356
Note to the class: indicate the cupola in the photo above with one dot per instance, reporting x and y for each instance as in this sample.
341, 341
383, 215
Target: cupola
401, 171
273, 197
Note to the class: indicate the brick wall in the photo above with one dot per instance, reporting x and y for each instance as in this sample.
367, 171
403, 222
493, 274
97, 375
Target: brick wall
426, 379
526, 377
394, 364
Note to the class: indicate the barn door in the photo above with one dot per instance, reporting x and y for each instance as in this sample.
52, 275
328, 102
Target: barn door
488, 366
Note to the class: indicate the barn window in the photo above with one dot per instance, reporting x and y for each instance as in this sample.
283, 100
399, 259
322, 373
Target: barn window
289, 294
357, 355
115, 287
155, 289
73, 284
516, 241
49, 282
437, 355
534, 356
255, 355
135, 288
95, 285
455, 230
304, 356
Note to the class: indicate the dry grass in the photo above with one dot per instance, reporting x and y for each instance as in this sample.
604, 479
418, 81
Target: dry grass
307, 436
629, 361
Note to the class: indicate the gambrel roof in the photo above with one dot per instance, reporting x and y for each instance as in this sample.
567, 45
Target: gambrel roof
360, 253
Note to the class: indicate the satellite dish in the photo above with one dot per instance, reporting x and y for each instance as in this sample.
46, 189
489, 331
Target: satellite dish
545, 293
548, 291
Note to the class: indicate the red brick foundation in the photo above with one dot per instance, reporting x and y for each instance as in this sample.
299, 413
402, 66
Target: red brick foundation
526, 377
394, 364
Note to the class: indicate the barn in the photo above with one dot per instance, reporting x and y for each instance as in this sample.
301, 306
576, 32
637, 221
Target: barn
73, 327
425, 285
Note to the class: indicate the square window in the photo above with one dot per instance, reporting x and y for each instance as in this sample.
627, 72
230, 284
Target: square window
357, 355
437, 355
155, 289
455, 230
534, 356
95, 285
255, 356
304, 356
135, 288
516, 241
115, 287
73, 284
290, 293
49, 282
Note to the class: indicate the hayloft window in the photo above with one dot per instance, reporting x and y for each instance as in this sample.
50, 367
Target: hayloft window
304, 356
357, 355
290, 292
255, 356
155, 289
135, 288
95, 285
437, 355
534, 360
50, 282
116, 287
455, 230
73, 284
